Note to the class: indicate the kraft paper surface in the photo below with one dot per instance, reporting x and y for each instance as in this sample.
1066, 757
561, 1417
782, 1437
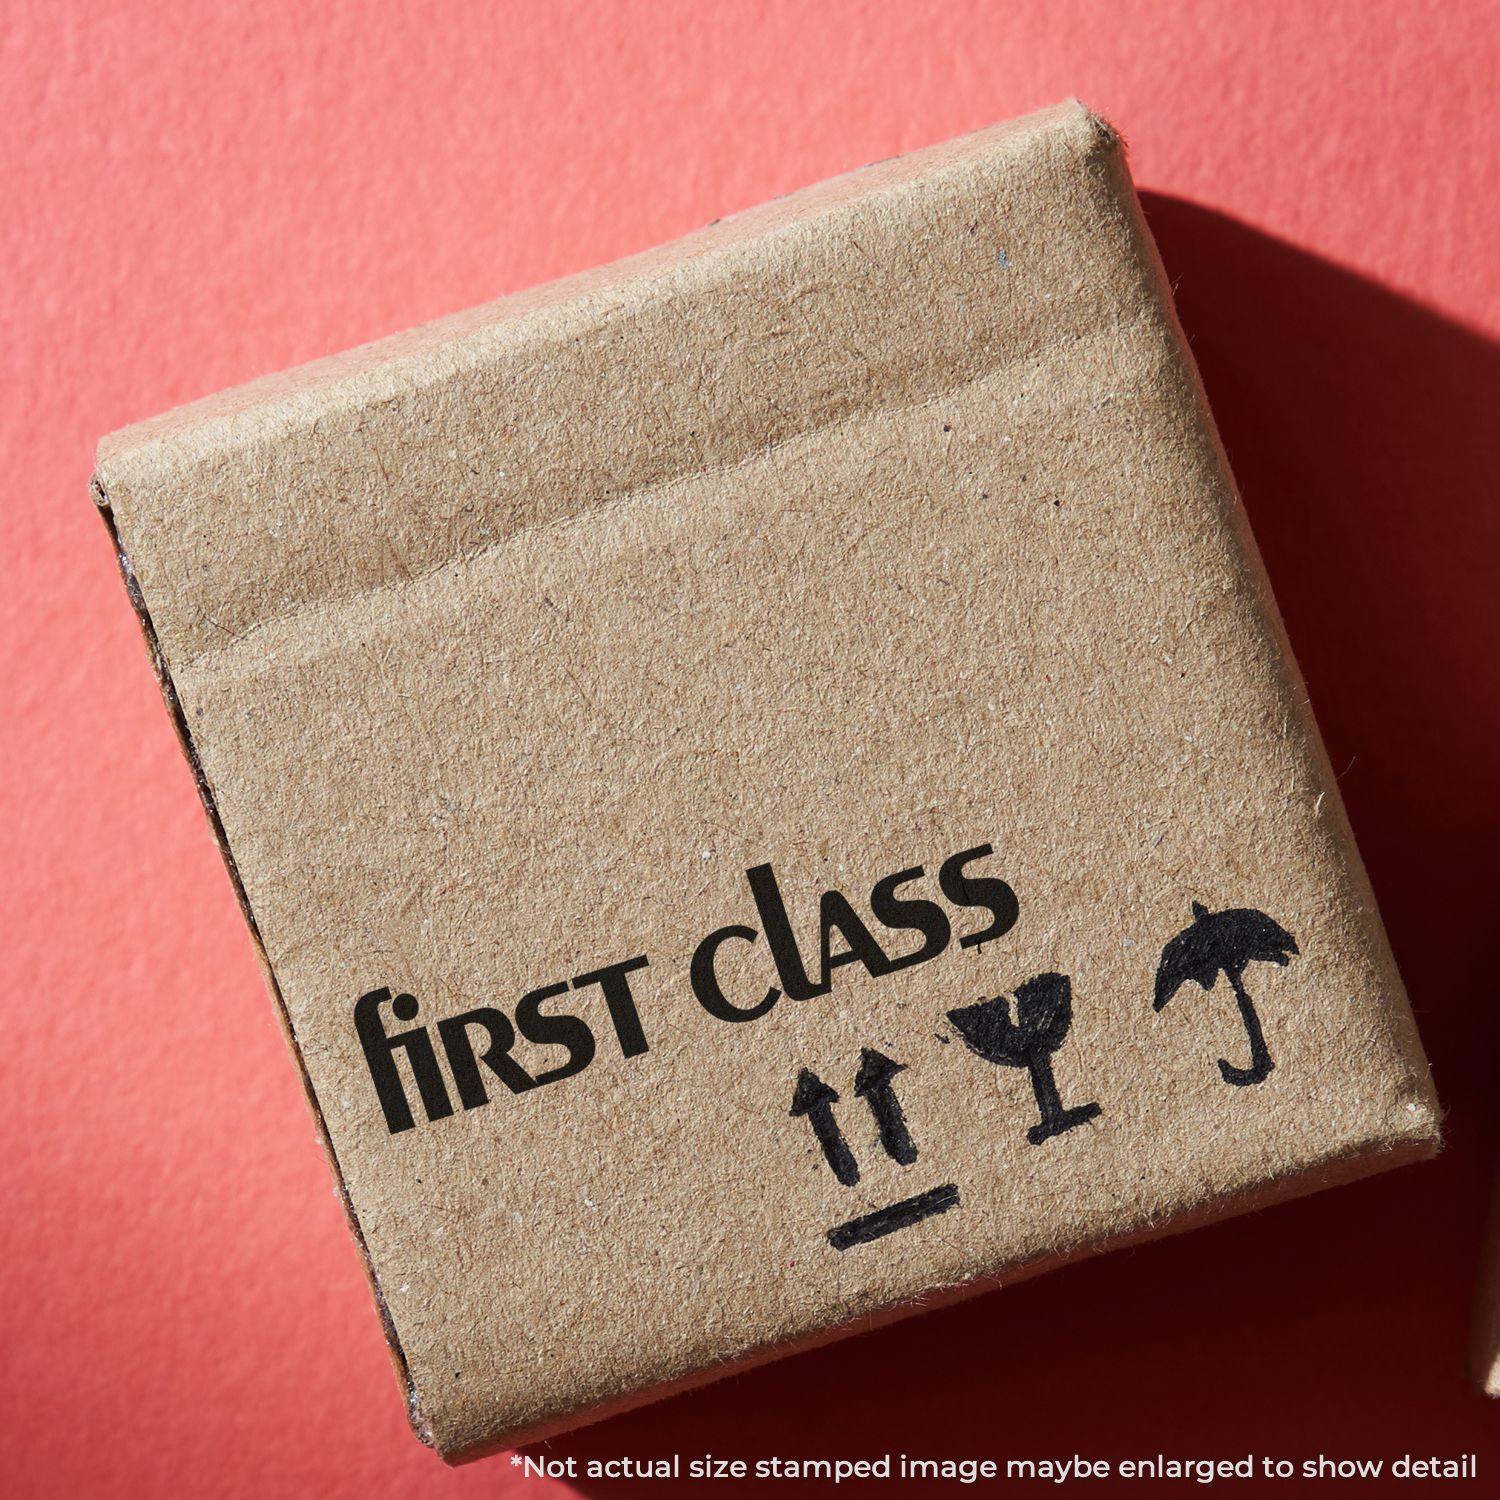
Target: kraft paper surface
769, 783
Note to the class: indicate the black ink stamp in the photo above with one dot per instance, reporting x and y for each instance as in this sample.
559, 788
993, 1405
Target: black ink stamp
900, 1215
1044, 1014
873, 1084
814, 1100
1227, 942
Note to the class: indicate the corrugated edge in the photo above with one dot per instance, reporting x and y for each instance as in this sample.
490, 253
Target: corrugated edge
205, 792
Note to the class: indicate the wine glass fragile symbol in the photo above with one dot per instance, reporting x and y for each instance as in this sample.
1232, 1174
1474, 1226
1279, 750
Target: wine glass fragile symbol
1044, 1015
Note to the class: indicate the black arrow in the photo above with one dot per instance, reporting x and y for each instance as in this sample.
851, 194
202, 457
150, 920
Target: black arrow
815, 1099
873, 1084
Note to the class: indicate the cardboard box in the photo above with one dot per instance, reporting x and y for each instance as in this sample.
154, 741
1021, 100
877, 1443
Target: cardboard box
744, 767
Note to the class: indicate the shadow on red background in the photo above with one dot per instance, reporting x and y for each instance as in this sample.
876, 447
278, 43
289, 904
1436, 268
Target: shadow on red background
1365, 435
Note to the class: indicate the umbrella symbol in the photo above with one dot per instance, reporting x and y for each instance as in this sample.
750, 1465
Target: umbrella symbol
1044, 1012
1227, 942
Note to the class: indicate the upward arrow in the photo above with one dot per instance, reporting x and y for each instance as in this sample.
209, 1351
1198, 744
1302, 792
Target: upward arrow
873, 1084
815, 1099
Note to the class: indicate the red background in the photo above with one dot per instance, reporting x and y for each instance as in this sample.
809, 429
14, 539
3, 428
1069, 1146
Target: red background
195, 195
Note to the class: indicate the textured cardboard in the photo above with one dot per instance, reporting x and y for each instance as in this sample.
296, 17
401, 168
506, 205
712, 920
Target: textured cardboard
854, 586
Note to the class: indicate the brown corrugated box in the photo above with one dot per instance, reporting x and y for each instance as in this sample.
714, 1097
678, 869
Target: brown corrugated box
638, 712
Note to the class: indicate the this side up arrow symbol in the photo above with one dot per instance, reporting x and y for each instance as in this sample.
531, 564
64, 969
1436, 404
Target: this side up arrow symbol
873, 1084
815, 1099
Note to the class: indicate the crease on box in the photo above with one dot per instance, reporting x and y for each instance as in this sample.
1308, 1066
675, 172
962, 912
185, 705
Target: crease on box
253, 418
414, 359
205, 792
597, 512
